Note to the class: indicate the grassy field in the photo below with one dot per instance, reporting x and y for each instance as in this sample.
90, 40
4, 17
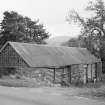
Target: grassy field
89, 90
95, 92
45, 96
21, 83
16, 83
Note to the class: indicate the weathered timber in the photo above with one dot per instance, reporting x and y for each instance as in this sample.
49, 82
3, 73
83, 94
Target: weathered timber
9, 58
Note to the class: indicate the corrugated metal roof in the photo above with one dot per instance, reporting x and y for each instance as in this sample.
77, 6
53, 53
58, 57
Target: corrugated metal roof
50, 56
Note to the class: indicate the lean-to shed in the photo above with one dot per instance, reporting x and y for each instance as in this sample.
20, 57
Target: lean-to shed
50, 63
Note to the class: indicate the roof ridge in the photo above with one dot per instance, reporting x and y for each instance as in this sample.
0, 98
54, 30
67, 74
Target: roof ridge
45, 45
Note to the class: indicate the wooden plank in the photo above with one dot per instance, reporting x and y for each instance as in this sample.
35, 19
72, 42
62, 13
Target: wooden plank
96, 70
54, 76
69, 74
91, 73
87, 73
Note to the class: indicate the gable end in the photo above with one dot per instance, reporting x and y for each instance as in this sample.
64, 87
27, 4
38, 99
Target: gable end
10, 58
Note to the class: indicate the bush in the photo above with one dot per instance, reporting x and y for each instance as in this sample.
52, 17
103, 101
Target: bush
17, 83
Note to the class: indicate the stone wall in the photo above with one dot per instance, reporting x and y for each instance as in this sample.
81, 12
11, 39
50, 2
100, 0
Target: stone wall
86, 73
77, 73
41, 75
61, 76
49, 76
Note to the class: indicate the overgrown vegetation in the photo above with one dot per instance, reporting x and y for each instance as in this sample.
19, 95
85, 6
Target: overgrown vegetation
92, 35
15, 27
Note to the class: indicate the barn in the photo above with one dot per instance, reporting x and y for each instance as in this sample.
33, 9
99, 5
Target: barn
56, 65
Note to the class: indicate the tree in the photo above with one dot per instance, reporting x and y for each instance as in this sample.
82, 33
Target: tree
92, 33
15, 27
34, 31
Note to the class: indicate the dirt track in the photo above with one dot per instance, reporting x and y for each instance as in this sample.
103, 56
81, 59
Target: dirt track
44, 96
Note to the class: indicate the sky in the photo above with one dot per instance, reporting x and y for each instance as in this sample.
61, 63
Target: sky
51, 13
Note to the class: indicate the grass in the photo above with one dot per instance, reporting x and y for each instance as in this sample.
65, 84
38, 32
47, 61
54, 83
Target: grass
21, 83
17, 83
98, 92
94, 90
88, 90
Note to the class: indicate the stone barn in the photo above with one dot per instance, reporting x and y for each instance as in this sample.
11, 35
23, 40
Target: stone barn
58, 65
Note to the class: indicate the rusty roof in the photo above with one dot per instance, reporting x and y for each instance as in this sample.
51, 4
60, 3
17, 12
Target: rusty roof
50, 56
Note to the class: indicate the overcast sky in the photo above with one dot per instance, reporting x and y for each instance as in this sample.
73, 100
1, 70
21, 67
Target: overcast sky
51, 13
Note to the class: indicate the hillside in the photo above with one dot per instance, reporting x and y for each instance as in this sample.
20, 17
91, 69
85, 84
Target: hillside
58, 40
